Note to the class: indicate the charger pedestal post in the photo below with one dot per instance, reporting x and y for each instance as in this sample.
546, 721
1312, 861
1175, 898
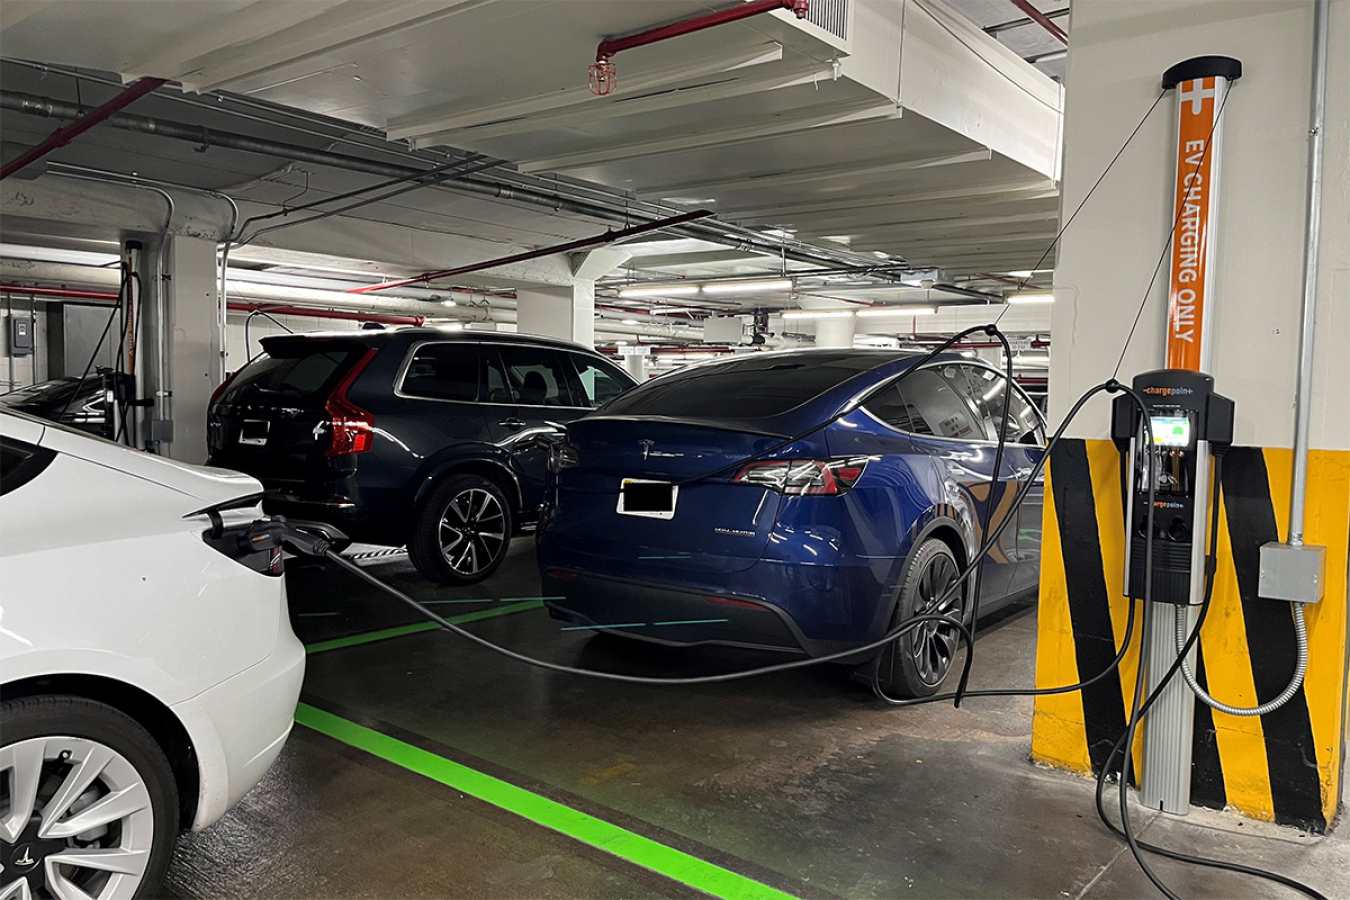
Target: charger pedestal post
1201, 86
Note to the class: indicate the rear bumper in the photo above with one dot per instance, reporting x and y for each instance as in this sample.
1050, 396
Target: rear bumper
239, 726
683, 615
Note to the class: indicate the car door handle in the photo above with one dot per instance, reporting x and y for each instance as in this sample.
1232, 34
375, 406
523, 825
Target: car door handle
512, 422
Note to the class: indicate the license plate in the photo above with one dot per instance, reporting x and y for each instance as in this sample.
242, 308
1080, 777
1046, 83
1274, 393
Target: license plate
254, 432
652, 499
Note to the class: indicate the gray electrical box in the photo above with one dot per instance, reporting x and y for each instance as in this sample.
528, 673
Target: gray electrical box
1296, 574
20, 336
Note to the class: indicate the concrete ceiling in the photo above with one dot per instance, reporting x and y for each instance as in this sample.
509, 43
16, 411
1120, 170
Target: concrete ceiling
912, 136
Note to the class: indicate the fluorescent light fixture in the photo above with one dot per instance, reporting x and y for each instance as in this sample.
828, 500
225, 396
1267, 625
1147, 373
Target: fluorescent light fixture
899, 311
628, 321
817, 313
739, 287
454, 326
1032, 358
671, 290
1027, 273
449, 303
1039, 297
620, 343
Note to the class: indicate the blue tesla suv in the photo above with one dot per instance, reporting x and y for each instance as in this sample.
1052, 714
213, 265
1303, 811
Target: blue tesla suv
818, 546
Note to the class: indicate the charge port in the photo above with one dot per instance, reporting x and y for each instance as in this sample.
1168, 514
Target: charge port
1179, 530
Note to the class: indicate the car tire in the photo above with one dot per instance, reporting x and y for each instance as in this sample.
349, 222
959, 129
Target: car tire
51, 741
463, 531
918, 663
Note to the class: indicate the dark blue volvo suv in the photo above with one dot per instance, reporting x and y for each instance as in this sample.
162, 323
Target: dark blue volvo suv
432, 438
815, 548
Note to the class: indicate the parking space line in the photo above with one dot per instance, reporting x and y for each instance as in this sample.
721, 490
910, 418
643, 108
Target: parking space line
606, 836
417, 628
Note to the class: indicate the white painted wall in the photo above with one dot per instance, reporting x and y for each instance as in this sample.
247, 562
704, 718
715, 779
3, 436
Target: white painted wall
1117, 55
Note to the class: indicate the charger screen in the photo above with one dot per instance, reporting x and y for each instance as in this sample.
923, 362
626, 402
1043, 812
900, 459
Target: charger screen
1171, 431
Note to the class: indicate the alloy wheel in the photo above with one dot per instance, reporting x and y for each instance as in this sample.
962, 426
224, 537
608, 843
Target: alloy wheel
933, 645
472, 531
76, 821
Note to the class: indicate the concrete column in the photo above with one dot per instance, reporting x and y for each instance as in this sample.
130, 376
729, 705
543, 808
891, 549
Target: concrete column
567, 313
637, 367
836, 331
193, 354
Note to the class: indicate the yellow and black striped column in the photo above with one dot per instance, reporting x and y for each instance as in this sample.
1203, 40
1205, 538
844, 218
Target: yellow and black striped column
1284, 766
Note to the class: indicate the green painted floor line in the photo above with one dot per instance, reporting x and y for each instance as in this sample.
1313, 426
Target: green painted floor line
625, 844
386, 633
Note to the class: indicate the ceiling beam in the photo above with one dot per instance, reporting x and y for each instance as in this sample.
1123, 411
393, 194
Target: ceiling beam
758, 79
937, 213
695, 258
919, 247
449, 119
819, 173
998, 193
802, 119
941, 227
335, 27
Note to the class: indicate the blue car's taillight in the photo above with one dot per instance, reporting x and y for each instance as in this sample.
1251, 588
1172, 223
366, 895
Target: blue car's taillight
823, 477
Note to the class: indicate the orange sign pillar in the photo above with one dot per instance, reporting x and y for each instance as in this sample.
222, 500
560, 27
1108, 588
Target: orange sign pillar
1201, 86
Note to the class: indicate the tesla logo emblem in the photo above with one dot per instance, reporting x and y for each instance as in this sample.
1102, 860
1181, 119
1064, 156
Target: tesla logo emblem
647, 447
26, 859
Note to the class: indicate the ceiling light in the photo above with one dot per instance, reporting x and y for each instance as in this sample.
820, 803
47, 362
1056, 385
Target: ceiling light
737, 287
673, 290
1032, 358
628, 321
1027, 273
620, 343
1041, 297
449, 303
817, 313
454, 326
898, 311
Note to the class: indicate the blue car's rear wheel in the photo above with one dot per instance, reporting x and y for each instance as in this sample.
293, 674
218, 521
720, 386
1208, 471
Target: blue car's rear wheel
918, 663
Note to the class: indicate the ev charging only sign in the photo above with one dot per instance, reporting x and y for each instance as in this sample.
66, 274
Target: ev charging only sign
1198, 139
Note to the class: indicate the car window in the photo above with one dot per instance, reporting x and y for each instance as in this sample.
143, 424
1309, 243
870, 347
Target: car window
304, 369
598, 382
493, 378
448, 371
986, 389
537, 376
20, 463
754, 387
923, 402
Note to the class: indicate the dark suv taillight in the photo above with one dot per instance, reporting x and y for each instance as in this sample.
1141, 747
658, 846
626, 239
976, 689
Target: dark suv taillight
351, 427
824, 477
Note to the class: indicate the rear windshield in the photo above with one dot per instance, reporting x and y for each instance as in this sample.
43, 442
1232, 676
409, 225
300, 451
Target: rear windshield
50, 397
306, 370
751, 388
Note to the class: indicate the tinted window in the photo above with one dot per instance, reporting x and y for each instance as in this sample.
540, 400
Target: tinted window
494, 378
49, 399
537, 377
306, 369
749, 388
598, 381
443, 372
923, 402
986, 390
20, 463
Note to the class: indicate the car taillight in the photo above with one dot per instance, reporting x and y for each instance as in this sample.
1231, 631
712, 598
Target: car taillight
215, 395
563, 455
352, 428
825, 477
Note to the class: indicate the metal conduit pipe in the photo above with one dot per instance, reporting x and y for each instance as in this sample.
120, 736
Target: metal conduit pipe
1303, 403
720, 233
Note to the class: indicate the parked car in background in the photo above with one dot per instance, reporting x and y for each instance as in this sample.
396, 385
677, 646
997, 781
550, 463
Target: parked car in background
82, 404
148, 671
427, 437
817, 547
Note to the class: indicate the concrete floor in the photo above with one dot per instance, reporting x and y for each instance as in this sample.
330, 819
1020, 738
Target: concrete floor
799, 781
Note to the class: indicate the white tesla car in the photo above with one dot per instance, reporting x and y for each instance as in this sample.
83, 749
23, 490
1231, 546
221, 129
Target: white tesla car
148, 671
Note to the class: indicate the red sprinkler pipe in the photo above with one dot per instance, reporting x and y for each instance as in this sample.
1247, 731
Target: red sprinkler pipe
611, 46
382, 318
67, 133
607, 238
58, 293
1040, 19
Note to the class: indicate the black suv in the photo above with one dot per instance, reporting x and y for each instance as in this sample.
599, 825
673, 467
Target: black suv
432, 438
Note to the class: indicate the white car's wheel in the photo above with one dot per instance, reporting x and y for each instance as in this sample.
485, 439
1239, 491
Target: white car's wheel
88, 802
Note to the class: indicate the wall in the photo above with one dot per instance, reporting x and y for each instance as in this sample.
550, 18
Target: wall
17, 372
1285, 766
